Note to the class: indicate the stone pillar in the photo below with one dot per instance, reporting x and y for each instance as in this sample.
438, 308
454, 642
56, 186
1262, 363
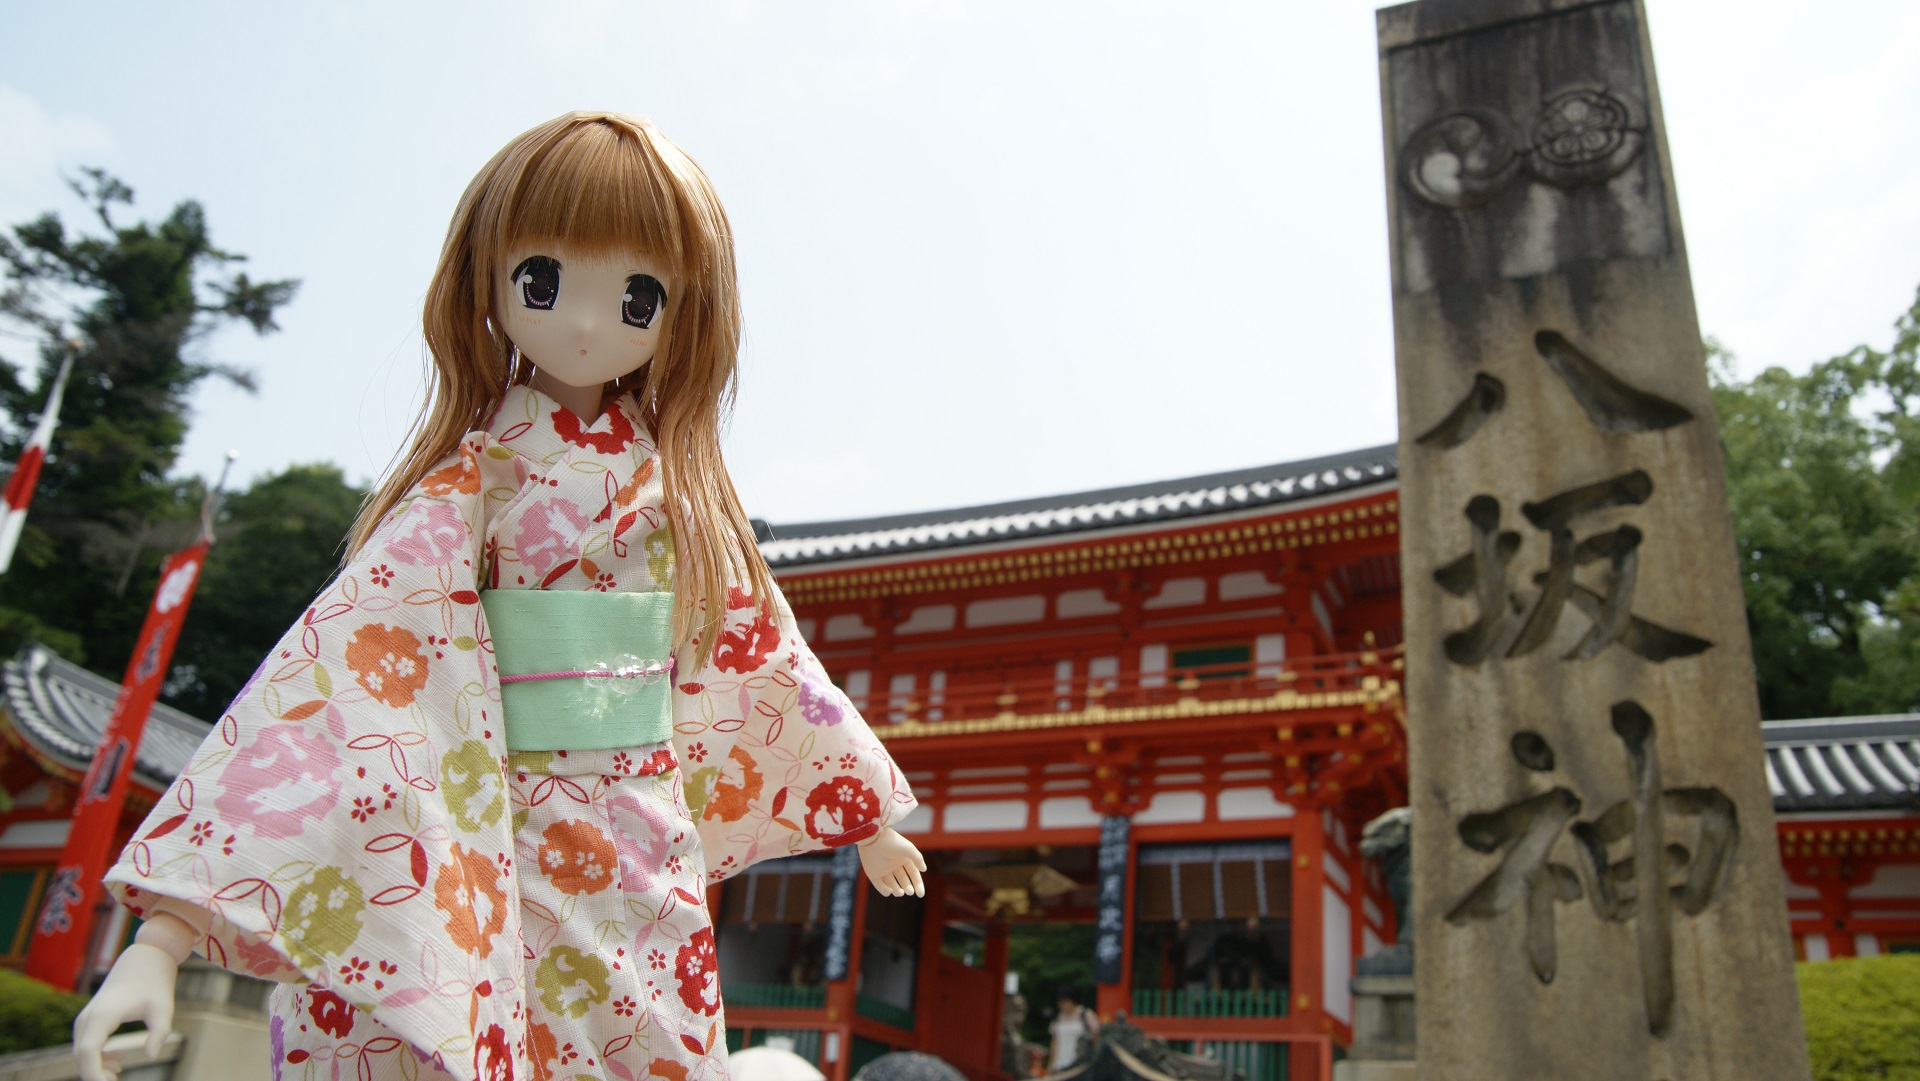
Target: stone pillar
1597, 891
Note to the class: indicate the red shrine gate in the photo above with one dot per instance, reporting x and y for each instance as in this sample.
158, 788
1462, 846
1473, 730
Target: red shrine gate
1212, 662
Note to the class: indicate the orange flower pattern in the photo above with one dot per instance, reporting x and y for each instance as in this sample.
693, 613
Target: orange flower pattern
576, 857
738, 786
387, 661
468, 890
447, 909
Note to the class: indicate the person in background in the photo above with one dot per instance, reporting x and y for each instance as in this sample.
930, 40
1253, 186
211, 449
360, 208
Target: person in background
1072, 1024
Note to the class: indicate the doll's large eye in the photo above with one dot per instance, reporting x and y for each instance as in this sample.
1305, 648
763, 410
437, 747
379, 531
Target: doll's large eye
645, 297
538, 277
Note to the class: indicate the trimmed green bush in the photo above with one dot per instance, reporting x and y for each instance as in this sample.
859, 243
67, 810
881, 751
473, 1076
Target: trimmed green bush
33, 1015
1863, 1017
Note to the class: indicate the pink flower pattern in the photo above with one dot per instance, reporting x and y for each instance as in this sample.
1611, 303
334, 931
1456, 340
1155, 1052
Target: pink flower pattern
279, 782
549, 532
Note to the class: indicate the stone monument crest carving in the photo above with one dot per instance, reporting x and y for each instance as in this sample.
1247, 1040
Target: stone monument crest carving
1580, 135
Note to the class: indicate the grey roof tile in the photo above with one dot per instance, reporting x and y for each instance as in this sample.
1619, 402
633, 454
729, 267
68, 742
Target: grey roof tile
805, 543
1844, 763
63, 710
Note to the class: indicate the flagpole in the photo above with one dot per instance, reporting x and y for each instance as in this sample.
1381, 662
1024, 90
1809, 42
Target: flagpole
26, 471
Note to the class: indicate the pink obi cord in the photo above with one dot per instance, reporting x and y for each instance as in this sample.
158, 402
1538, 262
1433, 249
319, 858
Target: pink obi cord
645, 673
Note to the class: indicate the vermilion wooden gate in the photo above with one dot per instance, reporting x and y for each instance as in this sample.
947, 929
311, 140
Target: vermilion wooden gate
962, 1007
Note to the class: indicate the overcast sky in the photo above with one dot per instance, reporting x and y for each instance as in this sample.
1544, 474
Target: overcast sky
988, 250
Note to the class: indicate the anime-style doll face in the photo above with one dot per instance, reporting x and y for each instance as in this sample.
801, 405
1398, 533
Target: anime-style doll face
583, 319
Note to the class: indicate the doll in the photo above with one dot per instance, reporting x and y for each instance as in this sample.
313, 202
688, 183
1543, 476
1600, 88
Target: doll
467, 810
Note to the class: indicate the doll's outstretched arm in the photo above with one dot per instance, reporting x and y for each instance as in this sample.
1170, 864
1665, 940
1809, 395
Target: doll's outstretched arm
139, 987
893, 864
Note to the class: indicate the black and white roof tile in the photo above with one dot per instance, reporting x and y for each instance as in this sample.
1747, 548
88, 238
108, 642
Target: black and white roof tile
63, 710
1187, 497
1845, 763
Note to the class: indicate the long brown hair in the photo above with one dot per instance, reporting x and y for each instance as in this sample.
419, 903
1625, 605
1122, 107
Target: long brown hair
601, 181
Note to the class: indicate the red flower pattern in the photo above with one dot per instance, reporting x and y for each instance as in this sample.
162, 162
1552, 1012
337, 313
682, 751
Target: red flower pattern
839, 807
330, 1012
746, 648
698, 970
618, 436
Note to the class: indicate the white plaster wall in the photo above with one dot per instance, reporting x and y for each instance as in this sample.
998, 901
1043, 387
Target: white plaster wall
1336, 948
1178, 593
1067, 812
1174, 807
1240, 804
1243, 584
974, 817
927, 619
1075, 603
846, 627
1006, 610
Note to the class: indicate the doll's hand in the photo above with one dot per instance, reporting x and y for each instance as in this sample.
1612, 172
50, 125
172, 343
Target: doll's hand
893, 865
140, 987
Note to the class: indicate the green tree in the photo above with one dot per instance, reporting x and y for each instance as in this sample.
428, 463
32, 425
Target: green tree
278, 543
138, 299
1823, 473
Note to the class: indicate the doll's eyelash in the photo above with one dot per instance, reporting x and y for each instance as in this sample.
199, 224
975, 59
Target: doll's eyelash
541, 286
642, 303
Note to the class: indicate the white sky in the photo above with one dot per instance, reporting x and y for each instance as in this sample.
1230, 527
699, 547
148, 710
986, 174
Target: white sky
989, 250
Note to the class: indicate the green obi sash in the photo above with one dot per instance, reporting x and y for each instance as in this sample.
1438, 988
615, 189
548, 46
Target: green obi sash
582, 670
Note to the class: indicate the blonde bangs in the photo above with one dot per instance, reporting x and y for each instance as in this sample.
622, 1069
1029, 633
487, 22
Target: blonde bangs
603, 187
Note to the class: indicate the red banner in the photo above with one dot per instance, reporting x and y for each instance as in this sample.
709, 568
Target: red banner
64, 929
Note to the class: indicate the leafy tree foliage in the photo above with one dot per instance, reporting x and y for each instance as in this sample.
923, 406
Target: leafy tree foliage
1823, 472
136, 299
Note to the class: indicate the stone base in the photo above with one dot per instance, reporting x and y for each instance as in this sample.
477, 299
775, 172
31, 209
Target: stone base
1382, 1019
1373, 1071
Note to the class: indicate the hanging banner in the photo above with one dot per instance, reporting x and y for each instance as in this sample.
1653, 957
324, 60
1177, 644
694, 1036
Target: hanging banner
1111, 910
846, 889
57, 954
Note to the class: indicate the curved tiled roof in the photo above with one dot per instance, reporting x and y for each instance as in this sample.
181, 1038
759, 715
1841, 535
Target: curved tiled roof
1845, 763
1185, 497
61, 710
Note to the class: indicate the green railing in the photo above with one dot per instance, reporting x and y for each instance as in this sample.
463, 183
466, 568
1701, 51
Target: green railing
1253, 1060
778, 996
882, 1011
1209, 1003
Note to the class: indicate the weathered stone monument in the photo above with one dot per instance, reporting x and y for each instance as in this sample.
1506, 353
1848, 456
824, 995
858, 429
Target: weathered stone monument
1597, 893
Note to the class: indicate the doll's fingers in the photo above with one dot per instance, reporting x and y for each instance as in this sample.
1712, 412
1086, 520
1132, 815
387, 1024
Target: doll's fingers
89, 1035
159, 1021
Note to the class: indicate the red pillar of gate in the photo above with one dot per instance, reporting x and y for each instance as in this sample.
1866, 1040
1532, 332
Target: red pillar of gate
1309, 880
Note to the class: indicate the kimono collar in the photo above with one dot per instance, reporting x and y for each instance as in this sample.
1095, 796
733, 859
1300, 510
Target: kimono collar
542, 429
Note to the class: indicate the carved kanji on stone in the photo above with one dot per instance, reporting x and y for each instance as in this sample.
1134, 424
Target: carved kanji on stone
1687, 876
1612, 404
1507, 627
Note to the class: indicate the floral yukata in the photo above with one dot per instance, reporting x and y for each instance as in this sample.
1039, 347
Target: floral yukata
437, 906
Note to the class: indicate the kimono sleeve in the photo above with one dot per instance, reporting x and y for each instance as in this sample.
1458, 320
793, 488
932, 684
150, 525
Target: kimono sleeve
345, 825
776, 760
